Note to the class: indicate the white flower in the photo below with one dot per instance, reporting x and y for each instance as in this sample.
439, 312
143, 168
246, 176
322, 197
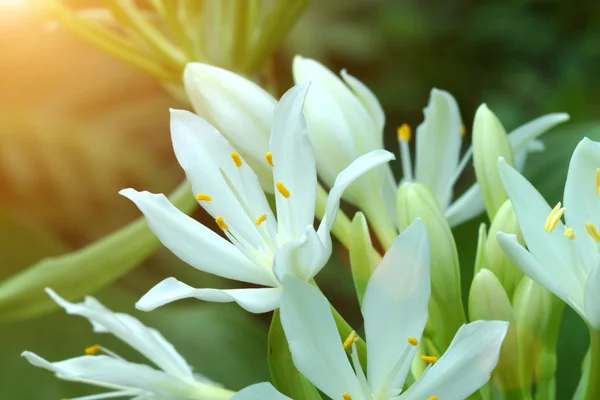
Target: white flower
261, 249
395, 312
564, 258
173, 380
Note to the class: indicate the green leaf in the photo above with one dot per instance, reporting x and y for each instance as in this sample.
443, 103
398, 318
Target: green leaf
85, 270
363, 259
286, 378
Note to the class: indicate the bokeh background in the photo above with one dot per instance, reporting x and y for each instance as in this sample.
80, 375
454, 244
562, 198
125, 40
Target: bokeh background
77, 125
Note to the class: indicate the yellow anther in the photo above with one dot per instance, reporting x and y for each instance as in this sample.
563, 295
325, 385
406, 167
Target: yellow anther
429, 359
413, 340
236, 159
553, 218
432, 398
352, 338
282, 189
592, 231
261, 218
569, 233
404, 133
269, 158
221, 222
92, 349
597, 181
463, 130
203, 197
346, 396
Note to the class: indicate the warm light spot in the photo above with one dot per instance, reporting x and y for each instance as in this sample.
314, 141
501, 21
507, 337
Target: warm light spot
413, 340
592, 231
203, 197
346, 396
569, 233
282, 189
553, 218
463, 130
261, 218
352, 338
221, 222
432, 398
236, 159
92, 349
269, 158
404, 132
597, 181
429, 359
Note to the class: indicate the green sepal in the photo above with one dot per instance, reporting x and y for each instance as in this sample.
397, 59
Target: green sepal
363, 259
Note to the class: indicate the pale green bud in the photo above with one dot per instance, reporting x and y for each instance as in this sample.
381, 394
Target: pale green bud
490, 141
363, 259
446, 313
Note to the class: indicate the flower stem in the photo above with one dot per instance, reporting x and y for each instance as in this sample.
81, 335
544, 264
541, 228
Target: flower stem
592, 391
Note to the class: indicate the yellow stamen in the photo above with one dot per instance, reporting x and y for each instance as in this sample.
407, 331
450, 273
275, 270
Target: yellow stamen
569, 233
463, 130
404, 133
261, 218
203, 197
346, 396
413, 340
597, 181
221, 222
429, 359
92, 349
282, 189
352, 338
553, 218
236, 159
269, 158
432, 398
592, 231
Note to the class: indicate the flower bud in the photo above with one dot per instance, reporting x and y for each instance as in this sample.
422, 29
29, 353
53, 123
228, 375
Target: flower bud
363, 259
446, 313
240, 109
490, 141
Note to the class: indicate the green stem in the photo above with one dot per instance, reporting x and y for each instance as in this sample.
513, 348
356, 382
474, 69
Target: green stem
592, 391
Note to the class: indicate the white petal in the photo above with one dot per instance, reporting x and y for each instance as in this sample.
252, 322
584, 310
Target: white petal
205, 155
194, 243
557, 282
520, 137
254, 300
581, 201
294, 165
259, 391
395, 305
113, 373
358, 167
466, 207
438, 145
301, 258
592, 296
238, 107
466, 365
520, 157
367, 98
148, 341
314, 341
551, 249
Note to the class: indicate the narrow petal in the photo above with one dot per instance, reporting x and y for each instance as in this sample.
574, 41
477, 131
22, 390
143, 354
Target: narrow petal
149, 342
395, 305
238, 107
194, 243
466, 207
466, 365
207, 159
314, 341
520, 157
301, 258
438, 145
254, 300
592, 296
294, 166
582, 199
520, 137
552, 250
259, 391
367, 98
563, 287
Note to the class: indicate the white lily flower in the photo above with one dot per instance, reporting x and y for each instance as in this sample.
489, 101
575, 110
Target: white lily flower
261, 248
562, 257
173, 380
395, 312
